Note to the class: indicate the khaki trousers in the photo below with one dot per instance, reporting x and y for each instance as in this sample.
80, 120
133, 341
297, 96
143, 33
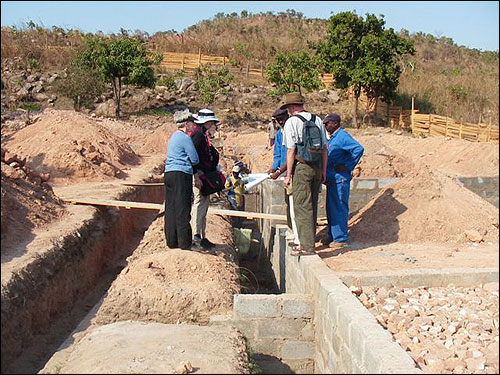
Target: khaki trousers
199, 212
306, 185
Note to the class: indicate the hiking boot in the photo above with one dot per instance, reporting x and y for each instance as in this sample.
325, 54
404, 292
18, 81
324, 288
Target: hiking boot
206, 244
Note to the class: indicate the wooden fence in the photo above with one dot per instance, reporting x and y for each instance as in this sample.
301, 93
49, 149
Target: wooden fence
430, 124
189, 62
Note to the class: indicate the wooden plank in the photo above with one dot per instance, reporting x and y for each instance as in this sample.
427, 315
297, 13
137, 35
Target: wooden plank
158, 206
143, 184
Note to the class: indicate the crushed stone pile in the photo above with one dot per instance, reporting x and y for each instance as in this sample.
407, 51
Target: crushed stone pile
425, 206
68, 144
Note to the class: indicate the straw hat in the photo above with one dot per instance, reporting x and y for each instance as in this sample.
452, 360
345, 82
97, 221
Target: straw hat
291, 98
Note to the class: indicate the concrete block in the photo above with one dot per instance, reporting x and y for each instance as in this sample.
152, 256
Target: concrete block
363, 184
280, 328
307, 332
266, 346
320, 365
333, 361
256, 306
296, 306
384, 357
248, 327
384, 182
297, 350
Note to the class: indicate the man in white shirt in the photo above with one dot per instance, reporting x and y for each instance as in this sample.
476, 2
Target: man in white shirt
307, 175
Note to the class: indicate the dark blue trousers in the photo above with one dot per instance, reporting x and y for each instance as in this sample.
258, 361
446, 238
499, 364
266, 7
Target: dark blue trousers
337, 210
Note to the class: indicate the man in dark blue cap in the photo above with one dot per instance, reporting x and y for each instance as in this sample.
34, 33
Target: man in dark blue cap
344, 154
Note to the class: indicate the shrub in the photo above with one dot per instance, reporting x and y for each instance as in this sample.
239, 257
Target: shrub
212, 82
82, 85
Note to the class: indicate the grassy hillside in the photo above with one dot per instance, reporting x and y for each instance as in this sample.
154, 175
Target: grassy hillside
445, 78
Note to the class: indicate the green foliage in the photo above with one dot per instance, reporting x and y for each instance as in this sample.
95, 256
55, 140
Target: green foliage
82, 85
362, 55
30, 107
212, 82
167, 81
122, 60
293, 72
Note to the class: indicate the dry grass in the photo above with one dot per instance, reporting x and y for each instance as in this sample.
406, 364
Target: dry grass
446, 79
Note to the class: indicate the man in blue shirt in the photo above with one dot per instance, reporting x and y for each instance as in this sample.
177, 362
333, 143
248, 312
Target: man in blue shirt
344, 154
181, 157
278, 167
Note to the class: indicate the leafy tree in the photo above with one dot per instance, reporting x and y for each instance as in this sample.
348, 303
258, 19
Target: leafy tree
81, 84
362, 55
293, 72
212, 82
123, 60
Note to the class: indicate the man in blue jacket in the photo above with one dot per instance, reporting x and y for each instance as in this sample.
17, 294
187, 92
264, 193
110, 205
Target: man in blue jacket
278, 167
344, 154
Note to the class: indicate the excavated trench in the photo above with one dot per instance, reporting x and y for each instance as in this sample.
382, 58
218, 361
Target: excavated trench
42, 304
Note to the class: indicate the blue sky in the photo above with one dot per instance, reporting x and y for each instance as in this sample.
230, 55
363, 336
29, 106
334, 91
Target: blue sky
473, 24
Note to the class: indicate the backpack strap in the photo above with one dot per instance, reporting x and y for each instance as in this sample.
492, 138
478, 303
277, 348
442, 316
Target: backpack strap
313, 118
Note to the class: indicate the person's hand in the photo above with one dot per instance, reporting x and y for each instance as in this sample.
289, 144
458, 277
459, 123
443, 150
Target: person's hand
275, 174
323, 177
197, 182
286, 182
340, 168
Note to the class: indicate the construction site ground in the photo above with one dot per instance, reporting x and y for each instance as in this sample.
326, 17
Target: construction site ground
424, 221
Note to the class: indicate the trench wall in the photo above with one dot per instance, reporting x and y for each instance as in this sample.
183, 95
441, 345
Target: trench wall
347, 337
34, 297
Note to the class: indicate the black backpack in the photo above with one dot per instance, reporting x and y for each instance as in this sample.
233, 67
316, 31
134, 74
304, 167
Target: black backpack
310, 149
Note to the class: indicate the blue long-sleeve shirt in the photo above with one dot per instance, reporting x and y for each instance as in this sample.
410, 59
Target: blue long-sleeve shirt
181, 153
279, 156
343, 149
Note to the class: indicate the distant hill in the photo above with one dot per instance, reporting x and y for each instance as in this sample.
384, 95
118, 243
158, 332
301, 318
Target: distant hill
445, 78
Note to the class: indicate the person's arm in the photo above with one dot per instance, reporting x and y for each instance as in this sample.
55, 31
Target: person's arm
276, 153
290, 159
324, 155
350, 145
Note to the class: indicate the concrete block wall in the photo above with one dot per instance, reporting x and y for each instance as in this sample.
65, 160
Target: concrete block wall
485, 187
347, 337
280, 326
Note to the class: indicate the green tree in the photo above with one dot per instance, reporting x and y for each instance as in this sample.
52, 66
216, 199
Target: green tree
81, 84
362, 55
293, 72
122, 60
212, 82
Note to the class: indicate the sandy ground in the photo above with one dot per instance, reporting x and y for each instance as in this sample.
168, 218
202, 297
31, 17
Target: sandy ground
91, 157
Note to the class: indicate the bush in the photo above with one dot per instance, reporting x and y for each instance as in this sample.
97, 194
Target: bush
82, 85
212, 82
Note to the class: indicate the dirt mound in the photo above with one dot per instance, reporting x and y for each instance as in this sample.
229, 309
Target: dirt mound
406, 152
425, 206
153, 348
170, 285
27, 201
380, 160
71, 145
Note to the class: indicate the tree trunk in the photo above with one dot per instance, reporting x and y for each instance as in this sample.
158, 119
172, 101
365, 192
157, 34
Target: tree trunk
117, 89
357, 92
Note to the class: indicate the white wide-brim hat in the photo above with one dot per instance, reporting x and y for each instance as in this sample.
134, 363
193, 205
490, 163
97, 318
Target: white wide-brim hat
205, 115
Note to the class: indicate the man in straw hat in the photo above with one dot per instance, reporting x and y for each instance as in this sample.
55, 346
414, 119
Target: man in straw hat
209, 159
307, 176
178, 176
